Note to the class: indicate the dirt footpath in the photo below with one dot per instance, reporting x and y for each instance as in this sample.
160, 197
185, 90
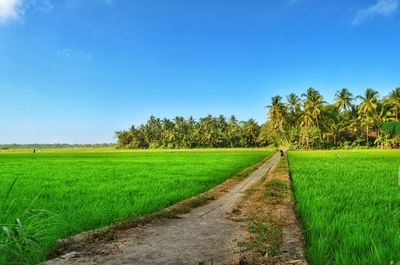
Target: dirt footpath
203, 236
272, 233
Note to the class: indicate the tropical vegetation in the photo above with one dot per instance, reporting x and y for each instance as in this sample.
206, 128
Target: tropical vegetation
307, 121
300, 122
188, 133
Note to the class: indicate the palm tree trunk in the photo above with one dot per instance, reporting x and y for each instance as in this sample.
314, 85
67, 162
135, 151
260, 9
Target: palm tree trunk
319, 133
284, 135
367, 136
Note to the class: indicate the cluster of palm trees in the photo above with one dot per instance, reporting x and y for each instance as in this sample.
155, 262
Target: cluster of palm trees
307, 121
302, 122
188, 133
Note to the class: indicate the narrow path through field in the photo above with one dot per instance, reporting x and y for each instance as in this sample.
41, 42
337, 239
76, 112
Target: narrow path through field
203, 235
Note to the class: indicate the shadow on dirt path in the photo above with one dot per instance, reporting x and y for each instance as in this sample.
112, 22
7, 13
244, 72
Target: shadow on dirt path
203, 236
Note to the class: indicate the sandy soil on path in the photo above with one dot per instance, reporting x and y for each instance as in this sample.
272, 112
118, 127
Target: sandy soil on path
205, 235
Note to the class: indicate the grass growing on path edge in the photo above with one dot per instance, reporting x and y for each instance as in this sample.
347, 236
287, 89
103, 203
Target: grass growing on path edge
272, 235
206, 169
117, 230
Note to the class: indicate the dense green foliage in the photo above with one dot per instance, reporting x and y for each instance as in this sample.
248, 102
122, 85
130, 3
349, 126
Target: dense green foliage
302, 122
309, 122
392, 127
189, 133
349, 205
50, 195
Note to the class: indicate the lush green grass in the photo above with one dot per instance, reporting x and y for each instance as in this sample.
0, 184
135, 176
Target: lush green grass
90, 189
349, 204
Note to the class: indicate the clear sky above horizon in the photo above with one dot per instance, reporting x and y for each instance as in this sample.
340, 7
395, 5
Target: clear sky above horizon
75, 71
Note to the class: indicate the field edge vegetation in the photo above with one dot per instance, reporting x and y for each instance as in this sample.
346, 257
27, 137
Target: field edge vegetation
210, 166
271, 232
119, 229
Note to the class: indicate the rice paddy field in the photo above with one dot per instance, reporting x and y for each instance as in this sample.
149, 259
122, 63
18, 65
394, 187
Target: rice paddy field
349, 205
55, 194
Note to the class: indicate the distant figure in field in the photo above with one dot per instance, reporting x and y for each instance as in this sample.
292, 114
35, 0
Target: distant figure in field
281, 151
34, 150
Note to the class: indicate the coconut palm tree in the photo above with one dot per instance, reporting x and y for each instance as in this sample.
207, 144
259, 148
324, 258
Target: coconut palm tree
352, 121
180, 130
250, 132
393, 101
343, 99
294, 106
334, 129
233, 133
293, 102
306, 121
383, 113
313, 104
369, 101
368, 105
278, 114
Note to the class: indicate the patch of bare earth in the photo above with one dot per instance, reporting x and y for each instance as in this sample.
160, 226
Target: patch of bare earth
180, 234
271, 233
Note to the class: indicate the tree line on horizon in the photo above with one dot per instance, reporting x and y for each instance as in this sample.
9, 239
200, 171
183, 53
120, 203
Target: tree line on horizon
180, 132
301, 122
53, 146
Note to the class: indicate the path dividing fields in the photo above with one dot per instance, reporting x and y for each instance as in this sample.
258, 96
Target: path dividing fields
203, 235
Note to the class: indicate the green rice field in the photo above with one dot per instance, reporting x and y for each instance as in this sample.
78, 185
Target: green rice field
349, 205
64, 192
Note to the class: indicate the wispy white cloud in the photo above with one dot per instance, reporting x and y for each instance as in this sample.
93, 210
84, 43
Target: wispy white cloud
380, 8
68, 54
10, 10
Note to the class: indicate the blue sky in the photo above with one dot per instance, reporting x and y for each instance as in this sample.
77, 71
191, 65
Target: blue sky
75, 71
